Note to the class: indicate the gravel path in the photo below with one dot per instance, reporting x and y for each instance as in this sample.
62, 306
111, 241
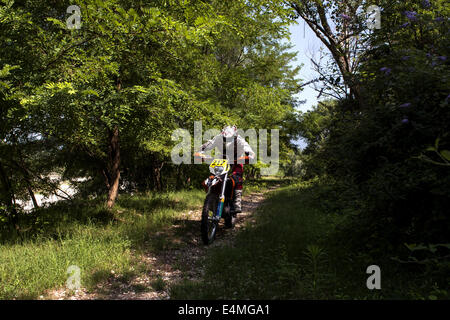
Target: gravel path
179, 258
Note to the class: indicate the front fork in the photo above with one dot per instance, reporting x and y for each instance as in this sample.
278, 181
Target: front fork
221, 199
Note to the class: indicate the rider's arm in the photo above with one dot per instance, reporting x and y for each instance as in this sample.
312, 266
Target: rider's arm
246, 148
209, 145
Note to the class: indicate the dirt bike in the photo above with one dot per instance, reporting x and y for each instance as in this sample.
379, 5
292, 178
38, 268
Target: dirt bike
218, 201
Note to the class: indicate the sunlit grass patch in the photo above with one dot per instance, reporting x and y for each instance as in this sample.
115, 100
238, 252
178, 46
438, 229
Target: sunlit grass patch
86, 235
28, 269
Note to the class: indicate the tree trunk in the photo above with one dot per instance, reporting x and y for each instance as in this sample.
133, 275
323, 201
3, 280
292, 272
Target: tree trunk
113, 167
157, 176
26, 177
180, 182
22, 167
33, 198
318, 22
10, 199
106, 178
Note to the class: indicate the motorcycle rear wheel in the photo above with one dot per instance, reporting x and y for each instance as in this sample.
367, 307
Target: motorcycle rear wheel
228, 217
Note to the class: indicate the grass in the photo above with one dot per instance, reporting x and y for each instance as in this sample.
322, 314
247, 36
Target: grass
297, 249
251, 186
27, 269
99, 242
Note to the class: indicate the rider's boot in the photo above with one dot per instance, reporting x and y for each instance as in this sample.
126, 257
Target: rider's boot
237, 199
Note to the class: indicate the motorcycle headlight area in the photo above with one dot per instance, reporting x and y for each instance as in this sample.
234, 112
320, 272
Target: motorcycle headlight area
216, 170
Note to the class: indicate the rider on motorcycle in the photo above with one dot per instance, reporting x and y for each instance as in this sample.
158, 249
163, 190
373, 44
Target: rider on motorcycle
228, 140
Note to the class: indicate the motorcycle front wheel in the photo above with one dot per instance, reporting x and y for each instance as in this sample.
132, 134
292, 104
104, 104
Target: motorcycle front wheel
208, 223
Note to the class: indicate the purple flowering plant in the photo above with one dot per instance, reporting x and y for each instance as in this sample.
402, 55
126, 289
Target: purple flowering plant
411, 15
344, 16
386, 70
426, 4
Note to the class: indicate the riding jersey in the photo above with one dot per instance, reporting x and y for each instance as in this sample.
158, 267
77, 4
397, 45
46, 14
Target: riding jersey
231, 150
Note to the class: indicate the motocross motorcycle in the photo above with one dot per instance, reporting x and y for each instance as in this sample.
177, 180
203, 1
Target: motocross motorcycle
219, 200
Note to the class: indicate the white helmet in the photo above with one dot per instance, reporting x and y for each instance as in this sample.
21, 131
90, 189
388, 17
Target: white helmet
229, 132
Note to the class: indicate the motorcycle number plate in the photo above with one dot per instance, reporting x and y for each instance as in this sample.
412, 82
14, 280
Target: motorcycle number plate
219, 163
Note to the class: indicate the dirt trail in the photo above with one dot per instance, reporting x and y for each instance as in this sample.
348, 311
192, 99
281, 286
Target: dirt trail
181, 250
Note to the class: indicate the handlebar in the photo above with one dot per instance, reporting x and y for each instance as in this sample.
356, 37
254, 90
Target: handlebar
202, 156
205, 157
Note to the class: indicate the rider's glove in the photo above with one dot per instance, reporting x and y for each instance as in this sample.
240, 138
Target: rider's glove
245, 158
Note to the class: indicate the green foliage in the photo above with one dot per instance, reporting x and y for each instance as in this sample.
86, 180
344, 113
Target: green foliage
293, 166
373, 154
378, 161
443, 156
139, 70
